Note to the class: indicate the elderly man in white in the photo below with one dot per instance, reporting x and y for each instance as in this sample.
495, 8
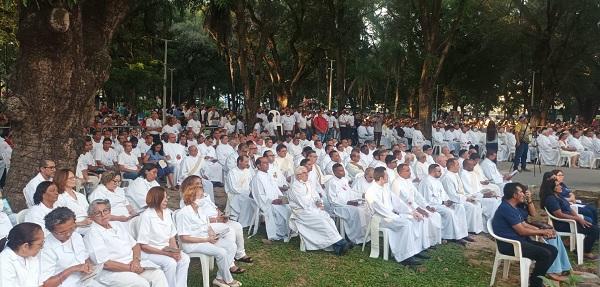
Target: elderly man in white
176, 152
403, 188
456, 192
223, 151
47, 169
454, 219
547, 147
487, 194
362, 183
214, 170
400, 224
491, 172
195, 164
271, 201
123, 266
585, 154
343, 200
309, 218
240, 206
231, 161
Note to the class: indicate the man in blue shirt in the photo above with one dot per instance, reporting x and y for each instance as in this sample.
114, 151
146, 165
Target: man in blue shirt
509, 223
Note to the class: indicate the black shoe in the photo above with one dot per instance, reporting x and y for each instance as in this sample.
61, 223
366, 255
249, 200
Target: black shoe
411, 262
461, 242
422, 255
217, 184
341, 247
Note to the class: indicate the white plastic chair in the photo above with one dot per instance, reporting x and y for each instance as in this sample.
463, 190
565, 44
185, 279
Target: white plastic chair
207, 262
575, 239
21, 215
594, 162
255, 222
562, 158
524, 263
375, 230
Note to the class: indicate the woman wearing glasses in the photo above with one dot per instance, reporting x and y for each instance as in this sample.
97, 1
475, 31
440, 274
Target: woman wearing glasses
123, 266
65, 181
19, 260
64, 258
109, 188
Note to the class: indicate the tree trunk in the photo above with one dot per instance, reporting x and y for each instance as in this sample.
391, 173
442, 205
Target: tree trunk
63, 61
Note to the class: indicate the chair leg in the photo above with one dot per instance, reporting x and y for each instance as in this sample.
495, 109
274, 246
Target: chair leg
506, 269
572, 242
366, 235
205, 271
302, 245
386, 246
524, 274
580, 238
211, 263
374, 242
494, 270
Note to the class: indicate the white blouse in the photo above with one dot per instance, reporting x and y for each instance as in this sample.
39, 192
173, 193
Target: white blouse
192, 223
117, 199
36, 215
155, 231
78, 205
101, 243
58, 256
18, 271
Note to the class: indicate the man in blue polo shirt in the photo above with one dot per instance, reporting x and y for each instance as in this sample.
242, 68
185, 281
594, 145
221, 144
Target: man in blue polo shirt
509, 223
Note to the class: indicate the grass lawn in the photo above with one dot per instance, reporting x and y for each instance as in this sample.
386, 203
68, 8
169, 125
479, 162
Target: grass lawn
283, 264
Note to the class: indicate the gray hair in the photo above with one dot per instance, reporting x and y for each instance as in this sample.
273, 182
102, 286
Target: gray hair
58, 216
96, 202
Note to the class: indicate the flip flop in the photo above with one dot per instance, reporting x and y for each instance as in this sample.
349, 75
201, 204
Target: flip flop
246, 259
238, 271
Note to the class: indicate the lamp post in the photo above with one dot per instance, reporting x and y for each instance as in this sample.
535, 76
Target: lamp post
172, 69
164, 99
330, 88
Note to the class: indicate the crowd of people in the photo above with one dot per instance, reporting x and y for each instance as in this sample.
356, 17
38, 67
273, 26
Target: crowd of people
333, 180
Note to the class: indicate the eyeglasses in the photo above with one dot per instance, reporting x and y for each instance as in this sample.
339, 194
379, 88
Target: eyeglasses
102, 212
50, 167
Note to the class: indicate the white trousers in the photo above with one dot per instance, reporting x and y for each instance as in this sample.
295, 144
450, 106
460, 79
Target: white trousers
236, 233
175, 271
148, 278
223, 251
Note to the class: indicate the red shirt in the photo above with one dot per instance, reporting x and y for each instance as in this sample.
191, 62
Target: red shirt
320, 123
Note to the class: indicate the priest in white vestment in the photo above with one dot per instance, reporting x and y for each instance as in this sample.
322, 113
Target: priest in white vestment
240, 206
223, 151
309, 218
362, 183
454, 219
405, 190
402, 226
354, 166
355, 217
491, 172
585, 155
214, 170
488, 194
271, 202
284, 161
456, 192
176, 152
195, 164
549, 150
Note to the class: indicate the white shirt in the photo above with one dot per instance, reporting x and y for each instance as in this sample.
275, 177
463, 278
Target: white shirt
129, 161
154, 231
78, 205
191, 223
107, 158
37, 213
194, 125
16, 271
150, 123
101, 242
288, 122
29, 189
83, 163
138, 189
57, 256
118, 201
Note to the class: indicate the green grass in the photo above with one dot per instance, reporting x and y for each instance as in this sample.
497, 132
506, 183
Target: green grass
283, 264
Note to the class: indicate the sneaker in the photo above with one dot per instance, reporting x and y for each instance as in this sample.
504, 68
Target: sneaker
411, 262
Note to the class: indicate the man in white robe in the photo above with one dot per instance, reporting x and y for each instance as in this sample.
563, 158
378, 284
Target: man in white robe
405, 190
401, 225
548, 150
214, 170
456, 192
355, 217
176, 152
454, 220
284, 161
585, 154
271, 201
275, 172
240, 206
362, 183
488, 194
195, 164
223, 151
231, 161
309, 218
354, 167
491, 172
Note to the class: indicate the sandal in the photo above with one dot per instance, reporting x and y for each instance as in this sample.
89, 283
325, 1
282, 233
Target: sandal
220, 283
245, 259
234, 283
238, 270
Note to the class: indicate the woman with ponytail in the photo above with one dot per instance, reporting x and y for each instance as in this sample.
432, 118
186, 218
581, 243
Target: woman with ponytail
19, 260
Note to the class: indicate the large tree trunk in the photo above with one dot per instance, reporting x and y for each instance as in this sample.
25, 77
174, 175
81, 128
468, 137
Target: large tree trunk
63, 61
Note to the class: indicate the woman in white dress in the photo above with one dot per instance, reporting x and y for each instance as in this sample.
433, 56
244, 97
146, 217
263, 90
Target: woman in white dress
156, 236
19, 260
65, 181
566, 150
218, 220
64, 258
121, 209
138, 188
44, 198
197, 235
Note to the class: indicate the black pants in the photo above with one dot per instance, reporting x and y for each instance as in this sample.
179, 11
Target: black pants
377, 138
591, 233
543, 254
345, 133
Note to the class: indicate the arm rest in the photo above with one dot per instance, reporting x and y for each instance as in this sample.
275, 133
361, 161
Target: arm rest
571, 222
515, 243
